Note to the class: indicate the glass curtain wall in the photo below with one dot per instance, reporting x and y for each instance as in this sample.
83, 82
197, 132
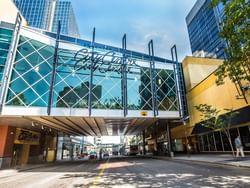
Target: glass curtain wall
32, 72
218, 141
166, 90
72, 82
31, 75
139, 88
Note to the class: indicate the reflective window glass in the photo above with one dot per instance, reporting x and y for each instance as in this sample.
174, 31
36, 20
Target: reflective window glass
30, 80
218, 141
166, 91
139, 88
245, 137
72, 82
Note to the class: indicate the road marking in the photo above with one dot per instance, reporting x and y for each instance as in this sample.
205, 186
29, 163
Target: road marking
97, 179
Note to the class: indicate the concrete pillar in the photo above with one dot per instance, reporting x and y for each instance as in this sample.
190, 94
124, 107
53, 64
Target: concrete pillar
169, 140
7, 135
59, 149
156, 138
143, 142
24, 156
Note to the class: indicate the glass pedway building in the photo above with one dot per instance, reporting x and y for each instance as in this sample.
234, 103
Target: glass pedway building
71, 77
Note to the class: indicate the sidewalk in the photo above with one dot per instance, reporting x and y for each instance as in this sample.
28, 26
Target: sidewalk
221, 159
9, 171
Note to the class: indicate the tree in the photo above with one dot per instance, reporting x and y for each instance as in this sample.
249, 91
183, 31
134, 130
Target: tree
19, 100
235, 30
211, 118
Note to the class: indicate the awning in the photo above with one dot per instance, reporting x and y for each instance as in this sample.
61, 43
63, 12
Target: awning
241, 118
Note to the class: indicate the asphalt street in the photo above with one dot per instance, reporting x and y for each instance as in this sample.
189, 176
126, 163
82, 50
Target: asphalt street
127, 172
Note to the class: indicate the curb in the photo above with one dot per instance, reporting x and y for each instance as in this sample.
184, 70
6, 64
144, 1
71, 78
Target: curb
32, 167
201, 162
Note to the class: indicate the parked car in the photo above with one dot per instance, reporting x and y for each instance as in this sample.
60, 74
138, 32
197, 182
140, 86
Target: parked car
92, 155
115, 153
106, 154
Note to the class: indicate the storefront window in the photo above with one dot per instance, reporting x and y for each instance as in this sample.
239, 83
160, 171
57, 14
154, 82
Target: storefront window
218, 141
233, 134
206, 144
225, 142
201, 143
211, 142
245, 137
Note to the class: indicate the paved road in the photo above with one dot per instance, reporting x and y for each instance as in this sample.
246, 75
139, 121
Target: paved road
127, 172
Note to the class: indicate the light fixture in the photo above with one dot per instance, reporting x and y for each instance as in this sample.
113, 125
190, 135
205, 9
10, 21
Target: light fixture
32, 124
42, 127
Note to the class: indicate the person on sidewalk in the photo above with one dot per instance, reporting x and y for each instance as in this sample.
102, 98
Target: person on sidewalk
189, 149
239, 147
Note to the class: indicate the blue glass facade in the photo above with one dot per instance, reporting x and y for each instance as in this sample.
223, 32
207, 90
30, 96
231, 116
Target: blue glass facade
203, 29
45, 14
36, 12
65, 13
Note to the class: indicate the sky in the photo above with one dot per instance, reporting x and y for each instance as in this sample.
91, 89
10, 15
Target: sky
105, 139
142, 20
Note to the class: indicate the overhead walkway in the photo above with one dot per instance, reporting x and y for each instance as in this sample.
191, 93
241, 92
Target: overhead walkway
83, 87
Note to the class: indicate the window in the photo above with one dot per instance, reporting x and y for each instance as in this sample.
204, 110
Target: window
245, 136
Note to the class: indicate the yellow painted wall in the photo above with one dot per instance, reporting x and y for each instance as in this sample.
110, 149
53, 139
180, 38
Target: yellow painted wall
207, 92
24, 157
197, 69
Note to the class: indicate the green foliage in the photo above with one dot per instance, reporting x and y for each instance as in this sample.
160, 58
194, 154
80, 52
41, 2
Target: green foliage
19, 100
211, 117
235, 29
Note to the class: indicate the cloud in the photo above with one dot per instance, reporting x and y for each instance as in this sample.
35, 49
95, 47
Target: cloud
142, 20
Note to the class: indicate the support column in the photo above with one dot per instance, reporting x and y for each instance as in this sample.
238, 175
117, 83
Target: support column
171, 154
156, 138
6, 145
143, 142
59, 149
24, 156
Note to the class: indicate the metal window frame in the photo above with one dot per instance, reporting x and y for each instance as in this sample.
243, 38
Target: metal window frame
152, 74
124, 77
50, 100
10, 61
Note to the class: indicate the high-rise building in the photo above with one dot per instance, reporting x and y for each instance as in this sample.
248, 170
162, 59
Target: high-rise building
36, 12
203, 29
45, 14
65, 13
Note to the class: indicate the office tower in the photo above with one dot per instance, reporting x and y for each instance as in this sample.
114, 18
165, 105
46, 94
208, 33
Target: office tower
203, 29
65, 13
45, 14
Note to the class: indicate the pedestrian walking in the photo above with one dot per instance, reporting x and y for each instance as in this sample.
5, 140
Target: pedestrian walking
239, 147
189, 149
